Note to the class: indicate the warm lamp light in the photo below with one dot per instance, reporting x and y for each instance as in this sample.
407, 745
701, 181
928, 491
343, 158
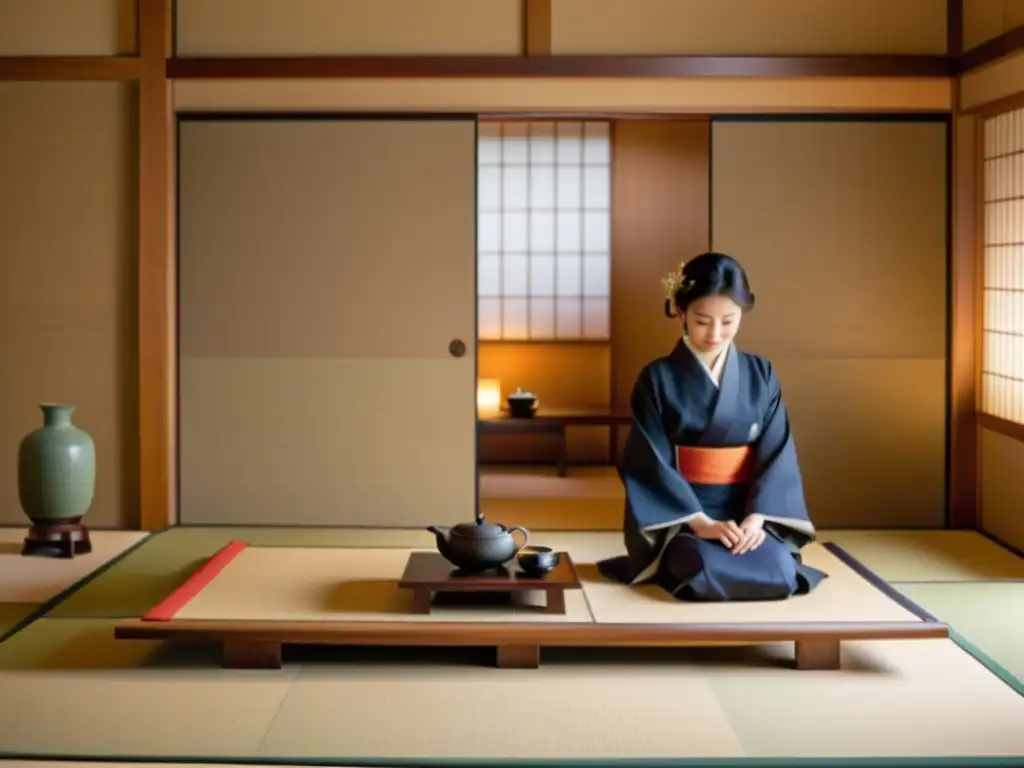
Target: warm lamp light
488, 398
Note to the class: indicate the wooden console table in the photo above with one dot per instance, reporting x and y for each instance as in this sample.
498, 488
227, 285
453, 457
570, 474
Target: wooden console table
555, 422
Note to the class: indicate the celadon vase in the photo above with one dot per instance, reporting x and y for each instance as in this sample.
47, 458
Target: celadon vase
56, 469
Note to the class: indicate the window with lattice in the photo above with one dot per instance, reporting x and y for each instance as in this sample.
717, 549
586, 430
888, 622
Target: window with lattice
1003, 329
544, 230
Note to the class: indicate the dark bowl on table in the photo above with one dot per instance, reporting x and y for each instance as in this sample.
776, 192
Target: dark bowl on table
522, 405
537, 561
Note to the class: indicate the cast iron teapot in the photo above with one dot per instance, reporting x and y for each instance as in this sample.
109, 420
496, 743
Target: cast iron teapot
478, 546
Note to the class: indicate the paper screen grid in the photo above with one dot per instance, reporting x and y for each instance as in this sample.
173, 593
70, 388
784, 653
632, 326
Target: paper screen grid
544, 230
1002, 377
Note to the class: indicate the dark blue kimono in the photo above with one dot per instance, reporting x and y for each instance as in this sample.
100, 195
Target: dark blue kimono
676, 402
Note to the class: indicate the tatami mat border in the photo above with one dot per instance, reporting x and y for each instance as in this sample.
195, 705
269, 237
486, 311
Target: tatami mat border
683, 762
878, 582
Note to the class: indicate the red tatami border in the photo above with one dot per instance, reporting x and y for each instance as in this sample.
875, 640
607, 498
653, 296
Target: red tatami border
166, 609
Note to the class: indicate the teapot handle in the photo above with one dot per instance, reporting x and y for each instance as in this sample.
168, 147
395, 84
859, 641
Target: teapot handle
526, 536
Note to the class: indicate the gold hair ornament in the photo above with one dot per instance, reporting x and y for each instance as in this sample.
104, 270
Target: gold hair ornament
674, 281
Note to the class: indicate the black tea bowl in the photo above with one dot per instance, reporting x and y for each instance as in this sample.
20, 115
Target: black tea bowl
537, 561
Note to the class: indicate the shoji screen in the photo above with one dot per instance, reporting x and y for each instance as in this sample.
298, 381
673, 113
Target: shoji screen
325, 268
1002, 377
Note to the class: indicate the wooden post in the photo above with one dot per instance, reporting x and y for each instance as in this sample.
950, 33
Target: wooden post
157, 342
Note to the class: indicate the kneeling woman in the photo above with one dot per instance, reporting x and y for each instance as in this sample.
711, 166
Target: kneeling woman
715, 505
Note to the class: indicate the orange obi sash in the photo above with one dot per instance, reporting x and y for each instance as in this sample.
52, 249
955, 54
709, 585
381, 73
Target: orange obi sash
714, 466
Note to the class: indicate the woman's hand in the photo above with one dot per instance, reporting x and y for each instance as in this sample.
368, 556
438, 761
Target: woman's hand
752, 534
725, 531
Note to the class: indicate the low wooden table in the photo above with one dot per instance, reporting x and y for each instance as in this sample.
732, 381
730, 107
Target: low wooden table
555, 422
428, 573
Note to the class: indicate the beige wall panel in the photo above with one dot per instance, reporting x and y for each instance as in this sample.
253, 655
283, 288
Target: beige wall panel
304, 442
353, 27
1002, 78
59, 27
870, 435
324, 268
1002, 511
293, 234
748, 26
842, 228
568, 95
67, 280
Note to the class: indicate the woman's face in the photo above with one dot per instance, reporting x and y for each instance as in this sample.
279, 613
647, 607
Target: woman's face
712, 322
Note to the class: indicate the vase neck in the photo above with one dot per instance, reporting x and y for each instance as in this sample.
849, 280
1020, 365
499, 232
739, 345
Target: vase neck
55, 415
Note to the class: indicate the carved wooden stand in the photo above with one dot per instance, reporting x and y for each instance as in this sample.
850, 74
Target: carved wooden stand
63, 538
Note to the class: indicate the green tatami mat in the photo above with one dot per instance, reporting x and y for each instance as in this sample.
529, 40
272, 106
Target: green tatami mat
929, 555
12, 613
142, 579
139, 581
115, 698
990, 616
89, 644
891, 699
70, 688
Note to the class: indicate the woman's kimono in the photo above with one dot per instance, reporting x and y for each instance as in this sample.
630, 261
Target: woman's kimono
713, 440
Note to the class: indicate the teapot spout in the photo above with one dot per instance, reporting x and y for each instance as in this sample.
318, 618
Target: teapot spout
441, 532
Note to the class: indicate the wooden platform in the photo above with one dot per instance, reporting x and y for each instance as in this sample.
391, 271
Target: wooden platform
253, 607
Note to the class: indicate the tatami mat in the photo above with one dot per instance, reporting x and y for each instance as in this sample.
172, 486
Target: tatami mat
12, 613
38, 579
929, 555
918, 698
133, 585
895, 698
587, 499
85, 645
319, 584
844, 596
988, 615
561, 711
138, 582
114, 697
322, 584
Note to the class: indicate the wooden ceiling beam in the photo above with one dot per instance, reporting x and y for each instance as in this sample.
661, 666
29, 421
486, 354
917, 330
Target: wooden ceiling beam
72, 68
558, 66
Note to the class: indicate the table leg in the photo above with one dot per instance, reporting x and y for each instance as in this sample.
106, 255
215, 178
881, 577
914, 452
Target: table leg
518, 656
563, 452
556, 601
421, 600
251, 654
817, 654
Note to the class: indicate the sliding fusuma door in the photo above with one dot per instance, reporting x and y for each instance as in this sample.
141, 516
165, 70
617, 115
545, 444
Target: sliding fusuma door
327, 321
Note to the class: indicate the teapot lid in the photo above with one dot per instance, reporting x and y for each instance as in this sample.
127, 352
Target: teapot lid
479, 530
